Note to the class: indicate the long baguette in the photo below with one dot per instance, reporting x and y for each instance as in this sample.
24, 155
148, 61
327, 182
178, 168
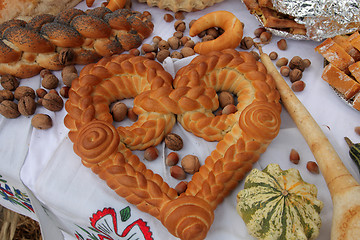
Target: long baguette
344, 189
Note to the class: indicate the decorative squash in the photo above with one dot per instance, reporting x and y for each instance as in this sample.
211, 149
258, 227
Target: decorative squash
354, 151
277, 204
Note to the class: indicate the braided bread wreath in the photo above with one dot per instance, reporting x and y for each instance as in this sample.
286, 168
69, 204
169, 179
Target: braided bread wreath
242, 136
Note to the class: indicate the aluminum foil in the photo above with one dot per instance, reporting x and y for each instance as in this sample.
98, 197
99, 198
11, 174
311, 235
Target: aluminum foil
323, 18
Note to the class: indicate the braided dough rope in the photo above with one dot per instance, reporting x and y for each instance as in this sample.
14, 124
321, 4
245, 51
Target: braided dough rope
231, 38
106, 150
71, 37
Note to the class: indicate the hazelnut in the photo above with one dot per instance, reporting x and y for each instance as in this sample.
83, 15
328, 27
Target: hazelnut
259, 31
273, 55
134, 51
68, 69
228, 109
180, 25
176, 54
52, 102
282, 44
298, 86
41, 121
68, 78
9, 109
179, 15
119, 111
295, 75
191, 23
146, 15
297, 62
173, 142
294, 156
44, 72
190, 164
282, 62
177, 172
202, 34
40, 92
64, 91
23, 91
172, 159
9, 82
132, 115
246, 43
150, 55
285, 71
178, 34
265, 37
162, 55
50, 81
163, 45
27, 106
6, 95
151, 153
312, 167
190, 44
156, 39
357, 130
174, 43
168, 17
212, 32
207, 38
187, 51
181, 187
225, 98
145, 48
184, 39
306, 63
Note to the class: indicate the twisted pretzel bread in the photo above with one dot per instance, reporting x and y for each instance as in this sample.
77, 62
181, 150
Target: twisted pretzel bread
231, 38
103, 149
71, 37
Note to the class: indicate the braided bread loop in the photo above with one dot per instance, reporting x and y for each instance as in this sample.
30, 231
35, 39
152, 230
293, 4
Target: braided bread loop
71, 37
242, 135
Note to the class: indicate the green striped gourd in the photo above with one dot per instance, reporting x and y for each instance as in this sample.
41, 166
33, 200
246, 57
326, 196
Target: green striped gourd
277, 204
354, 152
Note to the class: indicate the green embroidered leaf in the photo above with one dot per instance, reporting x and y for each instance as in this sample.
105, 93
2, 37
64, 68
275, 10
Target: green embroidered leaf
125, 213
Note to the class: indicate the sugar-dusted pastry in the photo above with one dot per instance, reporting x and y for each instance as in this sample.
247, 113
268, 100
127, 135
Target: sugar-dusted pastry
242, 136
355, 70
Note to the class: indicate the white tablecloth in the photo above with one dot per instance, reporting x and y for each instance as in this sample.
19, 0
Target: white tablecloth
70, 197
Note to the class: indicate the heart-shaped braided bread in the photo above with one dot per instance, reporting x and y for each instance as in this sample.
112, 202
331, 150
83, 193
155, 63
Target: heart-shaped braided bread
71, 37
242, 136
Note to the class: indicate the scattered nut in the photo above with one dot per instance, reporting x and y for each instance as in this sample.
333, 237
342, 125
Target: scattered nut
9, 109
306, 63
27, 106
297, 62
131, 115
150, 55
229, 109
23, 91
162, 55
181, 187
6, 95
190, 44
178, 35
53, 102
202, 34
312, 167
282, 62
265, 37
119, 111
44, 72
156, 39
184, 39
173, 142
50, 81
172, 159
357, 130
285, 71
298, 86
41, 121
294, 156
64, 92
273, 55
259, 31
174, 42
40, 92
190, 164
282, 44
163, 45
246, 43
145, 48
191, 22
180, 25
187, 51
68, 78
207, 38
177, 172
225, 98
134, 51
176, 54
295, 75
179, 15
9, 82
168, 17
151, 153
68, 69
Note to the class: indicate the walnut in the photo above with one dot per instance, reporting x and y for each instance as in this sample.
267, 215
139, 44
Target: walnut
50, 81
187, 51
173, 142
119, 111
162, 55
68, 78
9, 109
53, 102
66, 56
27, 106
174, 43
9, 82
41, 121
6, 95
23, 91
68, 69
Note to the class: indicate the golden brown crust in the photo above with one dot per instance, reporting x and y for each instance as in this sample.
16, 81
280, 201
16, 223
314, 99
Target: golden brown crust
181, 5
86, 36
106, 149
233, 31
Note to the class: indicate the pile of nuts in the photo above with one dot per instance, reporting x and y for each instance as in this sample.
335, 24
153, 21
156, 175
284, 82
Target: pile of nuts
18, 100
